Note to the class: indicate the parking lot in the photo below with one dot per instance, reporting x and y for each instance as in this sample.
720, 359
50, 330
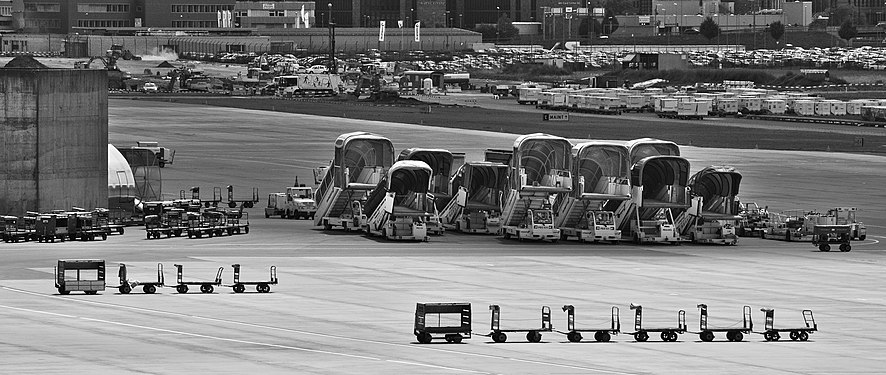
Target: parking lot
345, 302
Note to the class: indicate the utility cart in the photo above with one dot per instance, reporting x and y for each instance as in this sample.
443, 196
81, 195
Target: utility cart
236, 221
641, 334
149, 287
198, 226
600, 334
824, 235
84, 275
205, 286
85, 226
155, 227
51, 227
771, 333
14, 231
457, 313
734, 333
260, 286
532, 334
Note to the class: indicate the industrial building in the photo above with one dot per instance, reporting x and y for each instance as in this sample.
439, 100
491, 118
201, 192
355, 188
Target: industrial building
55, 138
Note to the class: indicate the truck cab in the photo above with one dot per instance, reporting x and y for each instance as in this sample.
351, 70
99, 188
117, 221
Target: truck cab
600, 227
297, 202
164, 155
538, 224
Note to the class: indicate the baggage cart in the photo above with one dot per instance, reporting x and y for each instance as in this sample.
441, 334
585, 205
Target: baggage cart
85, 275
641, 334
770, 333
734, 333
149, 287
452, 333
532, 334
260, 286
600, 334
205, 286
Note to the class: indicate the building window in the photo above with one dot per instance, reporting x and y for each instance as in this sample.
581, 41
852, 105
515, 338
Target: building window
5, 11
103, 23
103, 8
43, 7
192, 8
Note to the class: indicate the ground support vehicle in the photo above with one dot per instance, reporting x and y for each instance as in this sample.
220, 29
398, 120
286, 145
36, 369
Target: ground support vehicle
733, 333
164, 155
13, 231
532, 334
198, 226
655, 231
770, 333
51, 227
787, 226
476, 205
641, 334
237, 222
537, 224
83, 275
205, 286
149, 287
649, 215
245, 202
754, 221
399, 207
155, 227
84, 226
260, 286
102, 218
297, 202
704, 227
425, 333
600, 334
845, 216
596, 226
824, 235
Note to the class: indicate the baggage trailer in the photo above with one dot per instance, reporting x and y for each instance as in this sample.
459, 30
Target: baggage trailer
451, 333
771, 333
84, 275
260, 286
205, 286
735, 334
155, 227
532, 334
824, 235
149, 287
51, 227
85, 226
667, 334
13, 232
600, 334
198, 226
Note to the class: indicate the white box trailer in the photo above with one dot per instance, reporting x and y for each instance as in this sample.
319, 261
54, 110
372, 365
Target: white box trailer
804, 107
775, 106
751, 104
705, 106
727, 106
822, 108
838, 107
529, 95
635, 102
609, 103
576, 101
666, 105
853, 107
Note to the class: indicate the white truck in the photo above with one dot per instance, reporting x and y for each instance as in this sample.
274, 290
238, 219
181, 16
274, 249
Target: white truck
164, 155
296, 203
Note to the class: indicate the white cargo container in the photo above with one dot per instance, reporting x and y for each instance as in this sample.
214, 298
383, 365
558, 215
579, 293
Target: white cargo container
775, 106
838, 107
822, 108
635, 102
804, 107
727, 106
853, 107
705, 106
666, 105
529, 95
608, 102
750, 103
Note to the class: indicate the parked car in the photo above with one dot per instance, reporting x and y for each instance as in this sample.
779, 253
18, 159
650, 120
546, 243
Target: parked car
318, 69
149, 87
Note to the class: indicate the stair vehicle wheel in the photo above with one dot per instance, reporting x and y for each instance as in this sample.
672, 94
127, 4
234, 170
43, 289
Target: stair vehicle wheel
499, 337
124, 289
148, 235
602, 336
803, 336
533, 336
824, 247
862, 237
181, 289
206, 288
573, 336
239, 288
708, 336
424, 338
641, 336
149, 289
795, 335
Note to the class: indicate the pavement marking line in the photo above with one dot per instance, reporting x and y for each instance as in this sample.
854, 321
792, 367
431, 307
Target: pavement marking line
411, 346
37, 311
435, 366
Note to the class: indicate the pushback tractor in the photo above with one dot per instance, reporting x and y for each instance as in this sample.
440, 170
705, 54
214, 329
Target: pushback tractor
453, 322
641, 333
532, 334
734, 333
603, 334
239, 286
205, 286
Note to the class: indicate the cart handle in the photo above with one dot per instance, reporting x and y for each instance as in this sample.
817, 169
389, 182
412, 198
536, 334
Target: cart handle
273, 274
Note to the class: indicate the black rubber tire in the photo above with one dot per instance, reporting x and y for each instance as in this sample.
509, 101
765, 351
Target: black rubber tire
673, 337
265, 288
665, 336
91, 292
239, 288
573, 336
149, 289
737, 336
182, 289
62, 291
803, 336
795, 335
641, 336
602, 336
124, 289
499, 337
454, 338
533, 336
206, 288
424, 338
846, 248
824, 247
862, 237
708, 336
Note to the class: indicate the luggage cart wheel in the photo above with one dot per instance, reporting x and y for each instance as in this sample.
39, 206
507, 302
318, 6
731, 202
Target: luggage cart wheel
149, 289
424, 338
737, 336
263, 288
182, 289
665, 336
824, 247
124, 289
641, 336
206, 288
499, 337
573, 336
708, 336
239, 288
602, 336
803, 336
673, 337
533, 336
729, 336
453, 338
794, 335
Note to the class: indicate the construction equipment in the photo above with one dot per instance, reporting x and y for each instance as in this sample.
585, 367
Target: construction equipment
452, 333
398, 208
539, 169
116, 78
770, 333
370, 79
532, 334
260, 286
165, 155
736, 334
149, 287
295, 203
710, 218
205, 286
824, 235
754, 220
118, 52
600, 334
476, 206
308, 85
641, 334
83, 275
601, 173
361, 159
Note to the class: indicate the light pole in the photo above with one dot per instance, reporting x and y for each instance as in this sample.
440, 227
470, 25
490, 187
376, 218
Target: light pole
497, 15
333, 69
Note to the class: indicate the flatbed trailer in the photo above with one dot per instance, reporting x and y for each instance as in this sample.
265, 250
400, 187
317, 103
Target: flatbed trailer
149, 287
532, 334
641, 334
734, 333
86, 275
205, 286
425, 333
770, 333
600, 334
260, 286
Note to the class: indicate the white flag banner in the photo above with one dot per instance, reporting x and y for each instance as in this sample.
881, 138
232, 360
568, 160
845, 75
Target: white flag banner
304, 16
400, 23
381, 31
417, 32
221, 22
229, 17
